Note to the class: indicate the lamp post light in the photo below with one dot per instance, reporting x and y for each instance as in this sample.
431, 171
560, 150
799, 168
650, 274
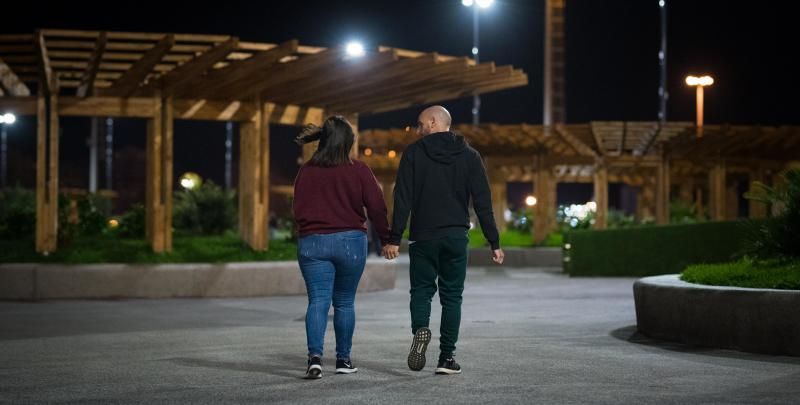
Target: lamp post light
476, 6
5, 120
699, 82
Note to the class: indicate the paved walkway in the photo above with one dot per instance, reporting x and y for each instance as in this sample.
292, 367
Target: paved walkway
528, 336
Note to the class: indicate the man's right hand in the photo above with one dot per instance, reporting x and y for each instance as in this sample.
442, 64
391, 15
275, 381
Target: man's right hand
391, 251
498, 256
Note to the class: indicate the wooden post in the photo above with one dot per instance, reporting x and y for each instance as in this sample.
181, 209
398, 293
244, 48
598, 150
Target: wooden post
47, 132
254, 179
717, 192
757, 209
52, 234
544, 190
662, 192
247, 180
601, 196
264, 152
41, 174
154, 207
166, 167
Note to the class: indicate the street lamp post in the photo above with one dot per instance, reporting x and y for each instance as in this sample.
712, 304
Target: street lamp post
699, 83
5, 120
476, 5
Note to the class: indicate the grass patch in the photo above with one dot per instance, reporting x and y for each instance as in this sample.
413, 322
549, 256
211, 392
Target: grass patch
745, 273
109, 249
513, 238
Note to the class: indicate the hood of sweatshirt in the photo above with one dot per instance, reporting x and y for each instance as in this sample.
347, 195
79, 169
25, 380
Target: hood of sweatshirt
443, 147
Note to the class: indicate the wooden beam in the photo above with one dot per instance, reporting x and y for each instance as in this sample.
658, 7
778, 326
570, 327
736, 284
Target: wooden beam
393, 73
306, 67
135, 107
454, 72
10, 82
20, 106
86, 87
601, 150
494, 84
218, 80
342, 75
154, 194
49, 83
133, 77
133, 36
572, 140
188, 71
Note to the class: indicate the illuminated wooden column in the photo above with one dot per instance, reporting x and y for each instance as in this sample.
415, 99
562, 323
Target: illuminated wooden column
254, 179
601, 196
158, 192
47, 131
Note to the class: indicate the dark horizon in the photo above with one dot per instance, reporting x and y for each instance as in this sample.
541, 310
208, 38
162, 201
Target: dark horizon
611, 63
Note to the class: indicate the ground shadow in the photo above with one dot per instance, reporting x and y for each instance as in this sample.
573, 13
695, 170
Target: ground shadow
631, 334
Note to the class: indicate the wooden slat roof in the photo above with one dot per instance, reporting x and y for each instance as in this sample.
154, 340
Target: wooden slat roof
223, 68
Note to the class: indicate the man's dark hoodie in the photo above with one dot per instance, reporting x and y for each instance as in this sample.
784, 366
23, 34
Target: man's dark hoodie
438, 176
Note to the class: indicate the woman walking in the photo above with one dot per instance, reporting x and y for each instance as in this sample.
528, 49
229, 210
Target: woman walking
334, 196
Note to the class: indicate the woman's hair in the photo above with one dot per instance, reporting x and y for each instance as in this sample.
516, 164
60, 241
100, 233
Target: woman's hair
335, 138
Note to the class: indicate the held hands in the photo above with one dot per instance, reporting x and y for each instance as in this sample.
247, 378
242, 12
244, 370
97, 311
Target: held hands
391, 252
498, 256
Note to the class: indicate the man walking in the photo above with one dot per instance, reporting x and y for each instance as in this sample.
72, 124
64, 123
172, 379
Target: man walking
438, 176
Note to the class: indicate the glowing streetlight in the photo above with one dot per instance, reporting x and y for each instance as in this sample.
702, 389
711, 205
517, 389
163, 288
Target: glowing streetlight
355, 49
476, 5
190, 181
481, 3
530, 201
8, 118
5, 120
699, 83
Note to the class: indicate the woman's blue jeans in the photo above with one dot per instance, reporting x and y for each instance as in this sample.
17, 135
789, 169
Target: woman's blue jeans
332, 265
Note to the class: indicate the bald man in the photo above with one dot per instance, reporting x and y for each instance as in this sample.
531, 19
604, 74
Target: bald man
438, 176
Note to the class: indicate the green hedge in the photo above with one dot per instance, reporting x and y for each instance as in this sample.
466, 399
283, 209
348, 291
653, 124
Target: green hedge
651, 250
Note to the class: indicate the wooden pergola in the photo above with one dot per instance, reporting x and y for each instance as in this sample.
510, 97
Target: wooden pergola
162, 77
661, 160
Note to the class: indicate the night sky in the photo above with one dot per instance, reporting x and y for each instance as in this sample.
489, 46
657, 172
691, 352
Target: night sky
612, 64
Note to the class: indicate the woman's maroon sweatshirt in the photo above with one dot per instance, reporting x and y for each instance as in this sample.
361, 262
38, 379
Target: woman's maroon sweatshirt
333, 199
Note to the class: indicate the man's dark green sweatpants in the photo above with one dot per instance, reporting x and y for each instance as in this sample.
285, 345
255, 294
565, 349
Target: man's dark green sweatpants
441, 262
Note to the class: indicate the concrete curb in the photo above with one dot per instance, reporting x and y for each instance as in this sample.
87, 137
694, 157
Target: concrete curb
746, 319
104, 281
518, 257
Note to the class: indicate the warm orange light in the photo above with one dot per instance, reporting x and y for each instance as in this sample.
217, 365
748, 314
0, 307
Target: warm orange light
392, 154
367, 152
530, 201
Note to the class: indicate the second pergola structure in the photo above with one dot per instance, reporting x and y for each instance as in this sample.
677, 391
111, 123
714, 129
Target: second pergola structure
661, 160
162, 77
